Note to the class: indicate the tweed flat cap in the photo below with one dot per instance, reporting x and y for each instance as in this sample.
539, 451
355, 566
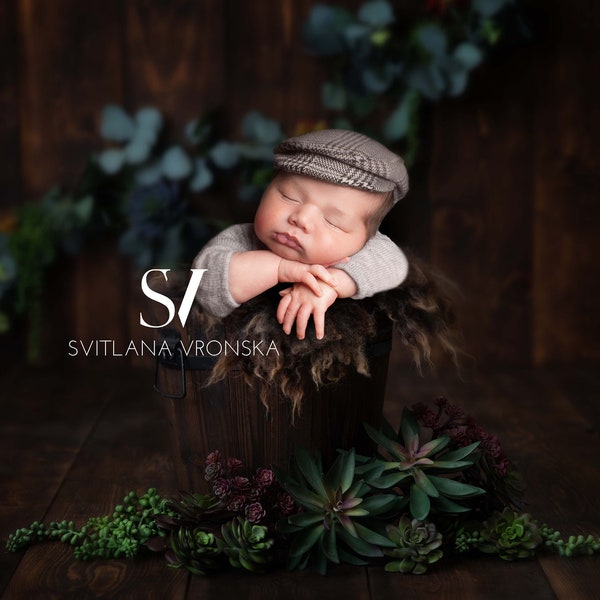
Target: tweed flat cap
344, 158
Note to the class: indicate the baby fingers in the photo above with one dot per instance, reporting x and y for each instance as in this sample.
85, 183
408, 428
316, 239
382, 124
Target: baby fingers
323, 274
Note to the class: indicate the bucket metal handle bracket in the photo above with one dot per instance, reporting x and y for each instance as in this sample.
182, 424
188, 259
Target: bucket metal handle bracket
171, 357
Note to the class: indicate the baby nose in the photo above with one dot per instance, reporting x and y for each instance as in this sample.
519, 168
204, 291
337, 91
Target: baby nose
302, 217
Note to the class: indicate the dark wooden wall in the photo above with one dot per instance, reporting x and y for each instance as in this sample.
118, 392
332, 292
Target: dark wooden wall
504, 196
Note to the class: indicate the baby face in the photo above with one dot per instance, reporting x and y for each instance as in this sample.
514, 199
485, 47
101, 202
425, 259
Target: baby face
312, 221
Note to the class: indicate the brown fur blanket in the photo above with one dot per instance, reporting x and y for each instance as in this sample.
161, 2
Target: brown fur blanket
419, 310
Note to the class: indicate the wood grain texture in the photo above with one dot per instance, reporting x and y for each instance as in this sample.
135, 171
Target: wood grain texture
480, 188
75, 453
69, 67
567, 186
9, 108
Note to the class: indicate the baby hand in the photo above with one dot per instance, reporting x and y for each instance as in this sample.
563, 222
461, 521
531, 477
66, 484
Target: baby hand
299, 302
292, 271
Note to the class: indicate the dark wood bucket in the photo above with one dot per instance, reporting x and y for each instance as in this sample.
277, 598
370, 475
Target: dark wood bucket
229, 416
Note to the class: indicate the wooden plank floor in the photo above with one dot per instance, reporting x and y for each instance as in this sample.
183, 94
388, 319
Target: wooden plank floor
74, 442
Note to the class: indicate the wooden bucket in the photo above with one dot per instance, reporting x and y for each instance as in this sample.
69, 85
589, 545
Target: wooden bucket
229, 416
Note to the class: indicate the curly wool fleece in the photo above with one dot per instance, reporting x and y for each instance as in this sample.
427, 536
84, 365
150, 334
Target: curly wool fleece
419, 310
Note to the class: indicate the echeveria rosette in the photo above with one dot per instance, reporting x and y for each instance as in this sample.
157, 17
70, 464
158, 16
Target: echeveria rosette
415, 469
247, 545
417, 546
339, 519
511, 535
194, 549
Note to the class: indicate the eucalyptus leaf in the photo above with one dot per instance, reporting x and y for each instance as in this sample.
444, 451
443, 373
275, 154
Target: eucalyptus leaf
458, 80
150, 174
432, 38
428, 80
149, 119
111, 161
83, 209
115, 124
377, 81
468, 55
488, 8
324, 29
225, 155
202, 178
176, 164
137, 150
357, 35
376, 14
258, 128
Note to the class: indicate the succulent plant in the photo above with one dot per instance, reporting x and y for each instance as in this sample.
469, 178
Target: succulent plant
416, 468
511, 535
337, 523
247, 545
417, 546
194, 549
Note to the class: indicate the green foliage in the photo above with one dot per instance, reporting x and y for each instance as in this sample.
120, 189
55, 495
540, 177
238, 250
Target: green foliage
513, 535
247, 545
419, 470
510, 535
195, 550
120, 535
381, 67
342, 517
42, 231
417, 546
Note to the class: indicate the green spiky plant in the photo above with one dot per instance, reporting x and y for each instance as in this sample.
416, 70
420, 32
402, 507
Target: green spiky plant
340, 521
420, 471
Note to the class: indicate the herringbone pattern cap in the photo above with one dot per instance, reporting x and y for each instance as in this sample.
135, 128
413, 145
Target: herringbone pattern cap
345, 158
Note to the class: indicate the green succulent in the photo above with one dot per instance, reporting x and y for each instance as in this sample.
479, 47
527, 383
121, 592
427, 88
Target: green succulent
195, 550
123, 534
337, 523
511, 535
416, 469
417, 546
247, 545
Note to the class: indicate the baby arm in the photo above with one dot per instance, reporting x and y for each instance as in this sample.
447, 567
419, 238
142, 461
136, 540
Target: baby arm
253, 272
378, 266
236, 271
